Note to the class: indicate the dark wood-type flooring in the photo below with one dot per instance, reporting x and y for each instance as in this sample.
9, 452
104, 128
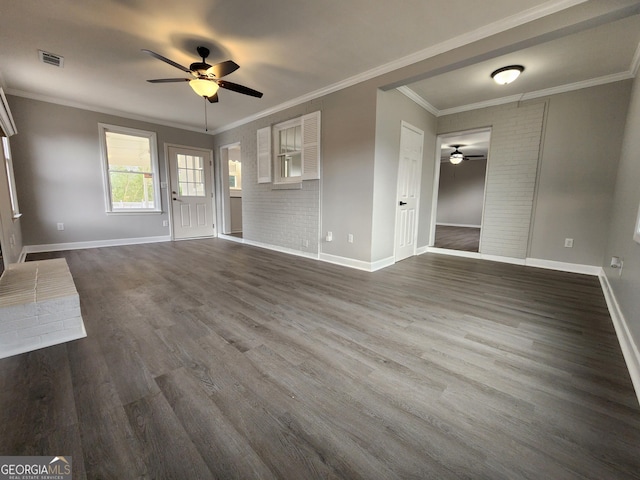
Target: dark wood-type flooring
458, 238
211, 359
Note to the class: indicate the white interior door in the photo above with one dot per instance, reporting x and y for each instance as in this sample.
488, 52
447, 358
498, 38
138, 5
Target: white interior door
191, 192
408, 197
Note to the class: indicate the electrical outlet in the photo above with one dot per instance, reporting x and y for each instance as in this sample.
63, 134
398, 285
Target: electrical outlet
60, 226
305, 243
568, 242
165, 223
329, 237
350, 238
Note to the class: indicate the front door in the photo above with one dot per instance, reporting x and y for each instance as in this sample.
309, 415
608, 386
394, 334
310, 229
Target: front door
408, 196
191, 192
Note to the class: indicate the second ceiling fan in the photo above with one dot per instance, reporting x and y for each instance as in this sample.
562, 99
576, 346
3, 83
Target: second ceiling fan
457, 156
205, 79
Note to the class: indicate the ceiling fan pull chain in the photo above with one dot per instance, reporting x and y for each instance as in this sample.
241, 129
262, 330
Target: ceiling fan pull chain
206, 126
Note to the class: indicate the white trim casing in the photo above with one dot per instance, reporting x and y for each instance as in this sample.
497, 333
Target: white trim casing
103, 128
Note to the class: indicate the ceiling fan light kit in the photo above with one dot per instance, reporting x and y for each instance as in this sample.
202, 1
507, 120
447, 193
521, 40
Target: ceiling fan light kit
203, 88
506, 75
456, 156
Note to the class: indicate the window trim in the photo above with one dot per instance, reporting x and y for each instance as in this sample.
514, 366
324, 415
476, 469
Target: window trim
11, 179
277, 168
155, 168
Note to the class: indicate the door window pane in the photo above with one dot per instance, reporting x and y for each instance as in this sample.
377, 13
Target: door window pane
191, 175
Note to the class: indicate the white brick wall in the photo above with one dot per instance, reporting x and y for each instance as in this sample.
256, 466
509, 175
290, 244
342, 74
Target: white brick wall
39, 307
516, 131
271, 215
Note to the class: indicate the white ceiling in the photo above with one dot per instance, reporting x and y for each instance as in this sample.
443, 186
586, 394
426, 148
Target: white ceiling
287, 49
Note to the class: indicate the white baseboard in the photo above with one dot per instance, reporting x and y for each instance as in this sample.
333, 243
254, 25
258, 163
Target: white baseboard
275, 248
629, 348
563, 266
231, 237
357, 264
529, 262
57, 247
323, 257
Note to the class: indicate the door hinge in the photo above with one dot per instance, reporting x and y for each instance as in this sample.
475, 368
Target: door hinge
211, 163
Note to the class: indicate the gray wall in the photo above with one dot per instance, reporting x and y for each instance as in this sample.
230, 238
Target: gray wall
394, 107
10, 228
286, 218
582, 144
626, 198
59, 174
461, 193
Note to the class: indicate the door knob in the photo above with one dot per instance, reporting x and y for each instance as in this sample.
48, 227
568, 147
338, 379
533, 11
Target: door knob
401, 203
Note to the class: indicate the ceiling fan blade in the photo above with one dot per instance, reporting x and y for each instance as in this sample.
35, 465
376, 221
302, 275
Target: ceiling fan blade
166, 60
213, 98
223, 68
169, 80
234, 87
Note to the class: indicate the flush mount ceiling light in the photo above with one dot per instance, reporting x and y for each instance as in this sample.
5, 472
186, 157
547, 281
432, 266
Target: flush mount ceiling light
506, 75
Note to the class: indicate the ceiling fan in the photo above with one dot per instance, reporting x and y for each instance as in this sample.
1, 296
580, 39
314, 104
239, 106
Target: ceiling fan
457, 156
205, 79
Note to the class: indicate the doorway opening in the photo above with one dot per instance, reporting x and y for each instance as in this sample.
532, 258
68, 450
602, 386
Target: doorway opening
231, 174
460, 187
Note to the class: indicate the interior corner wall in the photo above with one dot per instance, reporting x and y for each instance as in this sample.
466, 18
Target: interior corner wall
516, 130
280, 218
392, 108
461, 193
582, 144
340, 202
10, 231
625, 282
58, 171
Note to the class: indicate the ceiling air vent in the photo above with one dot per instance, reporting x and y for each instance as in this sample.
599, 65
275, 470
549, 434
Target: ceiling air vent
51, 58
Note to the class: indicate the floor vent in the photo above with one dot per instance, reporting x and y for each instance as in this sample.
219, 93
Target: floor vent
51, 58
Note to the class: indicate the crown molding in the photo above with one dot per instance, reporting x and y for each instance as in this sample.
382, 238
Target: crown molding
106, 111
481, 33
408, 92
513, 21
569, 87
635, 62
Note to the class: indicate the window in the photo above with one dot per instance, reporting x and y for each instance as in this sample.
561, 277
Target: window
8, 163
235, 175
288, 143
296, 151
130, 162
190, 175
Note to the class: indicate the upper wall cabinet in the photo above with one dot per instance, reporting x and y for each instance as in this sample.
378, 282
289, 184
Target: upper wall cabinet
291, 150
